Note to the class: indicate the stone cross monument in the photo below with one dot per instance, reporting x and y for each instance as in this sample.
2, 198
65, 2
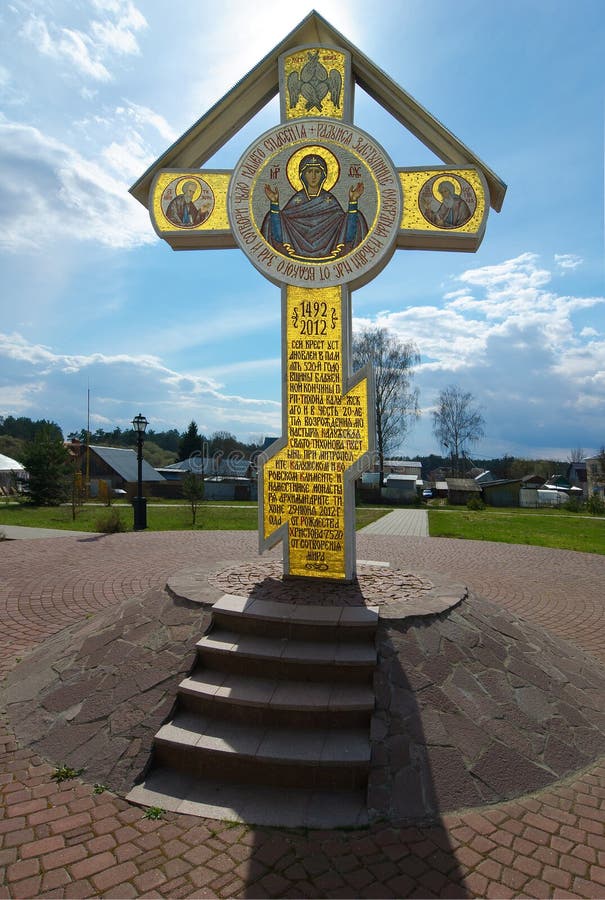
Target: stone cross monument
318, 207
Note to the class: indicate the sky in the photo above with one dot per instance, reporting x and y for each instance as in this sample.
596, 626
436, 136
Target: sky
94, 305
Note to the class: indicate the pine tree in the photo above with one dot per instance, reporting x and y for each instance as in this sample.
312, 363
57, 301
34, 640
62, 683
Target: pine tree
190, 443
47, 461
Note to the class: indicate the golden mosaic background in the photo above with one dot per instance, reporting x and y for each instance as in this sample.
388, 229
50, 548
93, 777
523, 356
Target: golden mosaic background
326, 434
217, 181
412, 183
330, 59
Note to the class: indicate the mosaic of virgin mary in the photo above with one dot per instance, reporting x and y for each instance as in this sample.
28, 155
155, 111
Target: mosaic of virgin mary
313, 224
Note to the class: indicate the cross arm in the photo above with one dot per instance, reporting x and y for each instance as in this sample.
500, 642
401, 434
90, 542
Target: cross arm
202, 222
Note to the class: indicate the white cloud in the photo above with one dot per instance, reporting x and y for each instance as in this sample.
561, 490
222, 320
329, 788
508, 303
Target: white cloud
88, 51
43, 379
513, 342
583, 362
65, 45
128, 158
134, 113
568, 261
446, 339
50, 192
115, 37
20, 398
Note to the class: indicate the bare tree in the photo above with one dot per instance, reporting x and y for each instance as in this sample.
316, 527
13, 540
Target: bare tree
576, 455
393, 363
457, 422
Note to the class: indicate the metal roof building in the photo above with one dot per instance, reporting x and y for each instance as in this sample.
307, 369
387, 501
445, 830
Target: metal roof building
123, 462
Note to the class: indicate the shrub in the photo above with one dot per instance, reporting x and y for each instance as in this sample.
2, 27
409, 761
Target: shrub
572, 505
475, 503
111, 522
595, 505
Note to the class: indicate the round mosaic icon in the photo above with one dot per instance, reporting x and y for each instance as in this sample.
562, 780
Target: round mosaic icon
187, 201
447, 201
315, 202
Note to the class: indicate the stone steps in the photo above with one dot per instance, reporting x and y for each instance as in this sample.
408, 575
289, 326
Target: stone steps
315, 623
287, 807
266, 701
280, 702
287, 658
290, 757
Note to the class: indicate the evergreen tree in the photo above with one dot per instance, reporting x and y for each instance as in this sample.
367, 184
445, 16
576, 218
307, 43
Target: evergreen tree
47, 462
26, 429
191, 442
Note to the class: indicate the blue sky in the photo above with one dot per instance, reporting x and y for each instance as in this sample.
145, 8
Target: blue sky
92, 92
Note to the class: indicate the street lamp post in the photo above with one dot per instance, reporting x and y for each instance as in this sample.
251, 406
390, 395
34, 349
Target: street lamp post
139, 423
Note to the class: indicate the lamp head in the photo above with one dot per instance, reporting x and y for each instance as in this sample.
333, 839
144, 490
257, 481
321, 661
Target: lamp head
139, 423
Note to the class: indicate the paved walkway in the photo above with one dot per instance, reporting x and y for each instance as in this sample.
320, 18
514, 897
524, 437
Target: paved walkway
25, 533
414, 522
73, 839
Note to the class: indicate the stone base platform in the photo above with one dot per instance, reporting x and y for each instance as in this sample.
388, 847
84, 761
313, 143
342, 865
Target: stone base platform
473, 705
274, 725
397, 594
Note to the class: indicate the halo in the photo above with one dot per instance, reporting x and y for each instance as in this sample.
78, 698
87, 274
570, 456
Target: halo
332, 164
183, 181
439, 181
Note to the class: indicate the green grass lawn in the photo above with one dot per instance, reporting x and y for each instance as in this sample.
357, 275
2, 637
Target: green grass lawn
544, 528
541, 528
211, 516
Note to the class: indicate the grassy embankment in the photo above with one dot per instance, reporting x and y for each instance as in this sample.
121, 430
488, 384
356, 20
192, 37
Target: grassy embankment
537, 527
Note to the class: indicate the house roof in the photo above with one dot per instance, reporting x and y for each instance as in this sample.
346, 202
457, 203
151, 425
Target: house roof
124, 462
463, 484
403, 463
534, 478
206, 136
237, 468
484, 477
195, 464
370, 477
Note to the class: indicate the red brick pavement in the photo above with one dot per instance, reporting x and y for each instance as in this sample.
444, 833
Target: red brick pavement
65, 840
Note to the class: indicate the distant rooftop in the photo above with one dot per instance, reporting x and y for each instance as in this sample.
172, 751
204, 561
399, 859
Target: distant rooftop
124, 461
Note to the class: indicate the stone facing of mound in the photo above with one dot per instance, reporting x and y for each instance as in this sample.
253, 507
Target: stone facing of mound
477, 706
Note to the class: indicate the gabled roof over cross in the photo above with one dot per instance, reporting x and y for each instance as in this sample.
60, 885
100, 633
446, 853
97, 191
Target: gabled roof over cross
197, 145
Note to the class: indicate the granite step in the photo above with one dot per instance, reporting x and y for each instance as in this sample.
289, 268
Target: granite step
233, 802
267, 701
294, 620
207, 747
290, 659
273, 724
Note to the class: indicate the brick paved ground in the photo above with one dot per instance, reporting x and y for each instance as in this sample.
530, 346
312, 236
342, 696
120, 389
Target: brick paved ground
66, 840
